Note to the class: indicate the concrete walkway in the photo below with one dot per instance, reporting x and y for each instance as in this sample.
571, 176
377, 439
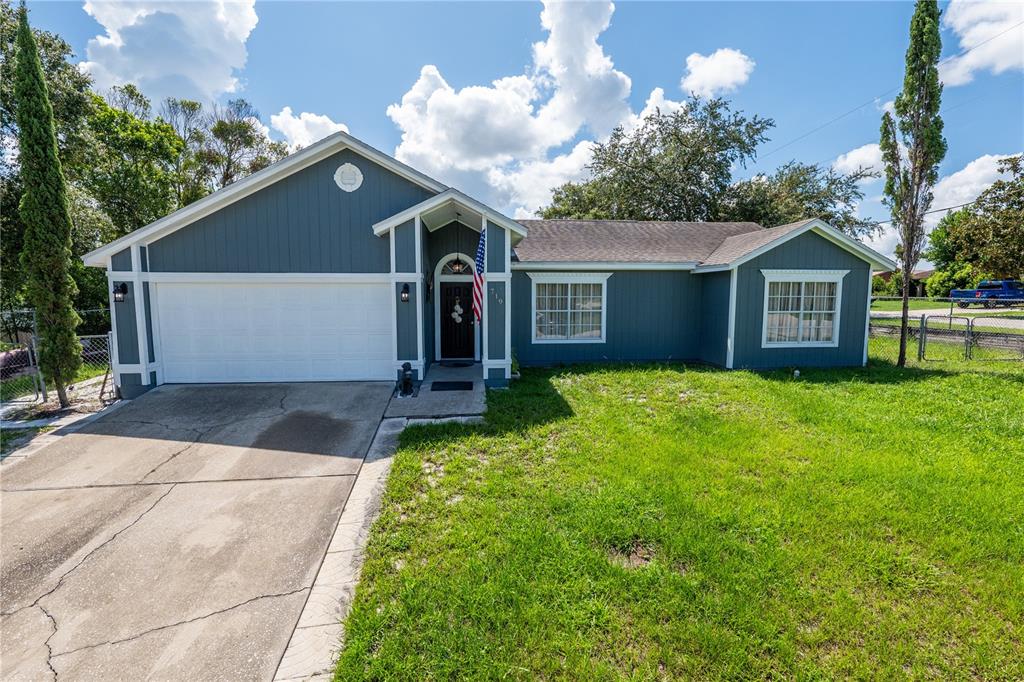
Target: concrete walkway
180, 536
428, 404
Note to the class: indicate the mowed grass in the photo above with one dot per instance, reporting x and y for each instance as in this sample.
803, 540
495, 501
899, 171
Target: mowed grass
662, 522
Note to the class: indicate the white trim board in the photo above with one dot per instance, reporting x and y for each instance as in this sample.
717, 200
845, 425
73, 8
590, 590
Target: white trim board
449, 196
569, 278
225, 196
730, 338
598, 265
269, 277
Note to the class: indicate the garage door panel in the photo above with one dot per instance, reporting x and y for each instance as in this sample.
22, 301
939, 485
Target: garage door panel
274, 332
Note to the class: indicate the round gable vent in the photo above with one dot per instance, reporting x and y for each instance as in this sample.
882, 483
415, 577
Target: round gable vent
348, 177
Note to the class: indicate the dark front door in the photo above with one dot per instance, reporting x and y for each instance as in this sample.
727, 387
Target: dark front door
456, 320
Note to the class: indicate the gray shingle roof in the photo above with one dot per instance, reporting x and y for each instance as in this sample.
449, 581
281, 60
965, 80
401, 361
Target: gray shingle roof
737, 246
625, 241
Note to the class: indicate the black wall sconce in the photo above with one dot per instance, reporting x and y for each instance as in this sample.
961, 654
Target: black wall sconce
120, 291
405, 293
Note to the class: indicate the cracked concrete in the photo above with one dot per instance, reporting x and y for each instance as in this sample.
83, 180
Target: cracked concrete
178, 537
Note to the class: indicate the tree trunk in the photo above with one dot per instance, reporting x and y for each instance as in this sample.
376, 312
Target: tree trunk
62, 391
905, 317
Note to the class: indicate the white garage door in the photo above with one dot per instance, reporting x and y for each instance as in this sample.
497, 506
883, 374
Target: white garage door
219, 332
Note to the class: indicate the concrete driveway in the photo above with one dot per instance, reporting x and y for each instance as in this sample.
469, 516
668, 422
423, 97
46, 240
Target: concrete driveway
178, 536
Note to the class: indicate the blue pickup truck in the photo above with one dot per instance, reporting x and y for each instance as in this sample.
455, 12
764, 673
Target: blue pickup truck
990, 293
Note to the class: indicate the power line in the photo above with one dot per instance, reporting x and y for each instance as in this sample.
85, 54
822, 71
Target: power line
877, 97
934, 210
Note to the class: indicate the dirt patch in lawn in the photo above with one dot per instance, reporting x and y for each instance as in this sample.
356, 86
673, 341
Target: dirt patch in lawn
636, 555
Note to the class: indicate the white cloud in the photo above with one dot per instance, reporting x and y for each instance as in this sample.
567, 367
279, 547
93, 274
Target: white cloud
965, 185
868, 156
304, 129
723, 70
991, 31
512, 141
527, 187
181, 49
572, 85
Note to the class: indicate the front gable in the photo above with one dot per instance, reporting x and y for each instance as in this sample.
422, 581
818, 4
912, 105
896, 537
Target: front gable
303, 223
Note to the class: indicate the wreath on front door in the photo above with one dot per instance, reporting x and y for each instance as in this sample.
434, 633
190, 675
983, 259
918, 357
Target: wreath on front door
457, 312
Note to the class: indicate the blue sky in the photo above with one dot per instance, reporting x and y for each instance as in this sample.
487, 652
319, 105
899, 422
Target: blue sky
503, 99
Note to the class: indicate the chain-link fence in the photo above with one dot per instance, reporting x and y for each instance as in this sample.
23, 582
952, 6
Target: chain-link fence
959, 337
20, 377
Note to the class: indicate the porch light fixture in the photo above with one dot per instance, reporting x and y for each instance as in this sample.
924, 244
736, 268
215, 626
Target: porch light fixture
405, 293
120, 291
456, 265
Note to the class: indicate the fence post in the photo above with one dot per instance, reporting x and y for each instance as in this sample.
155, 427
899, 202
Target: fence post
921, 340
35, 354
39, 370
967, 338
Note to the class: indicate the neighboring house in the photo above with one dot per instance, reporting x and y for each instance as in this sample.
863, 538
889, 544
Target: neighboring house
918, 280
341, 263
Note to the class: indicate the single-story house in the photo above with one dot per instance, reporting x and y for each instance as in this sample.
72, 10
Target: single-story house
918, 280
341, 263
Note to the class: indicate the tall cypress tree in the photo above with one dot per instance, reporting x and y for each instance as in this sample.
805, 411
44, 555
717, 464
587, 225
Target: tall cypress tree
46, 251
913, 146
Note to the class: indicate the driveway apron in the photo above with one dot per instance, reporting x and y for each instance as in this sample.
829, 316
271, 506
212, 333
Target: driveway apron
179, 536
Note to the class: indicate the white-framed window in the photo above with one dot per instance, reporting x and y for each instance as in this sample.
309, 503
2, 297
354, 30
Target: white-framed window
569, 307
802, 308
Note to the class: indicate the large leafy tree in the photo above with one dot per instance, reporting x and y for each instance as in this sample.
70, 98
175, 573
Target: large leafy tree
796, 191
68, 89
991, 234
191, 177
913, 146
131, 175
679, 166
673, 166
44, 210
237, 145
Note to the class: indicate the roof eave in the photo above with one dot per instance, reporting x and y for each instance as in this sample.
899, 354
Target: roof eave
602, 265
822, 228
382, 227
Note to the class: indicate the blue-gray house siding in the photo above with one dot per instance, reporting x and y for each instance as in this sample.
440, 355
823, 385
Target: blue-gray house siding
809, 251
302, 223
714, 317
651, 315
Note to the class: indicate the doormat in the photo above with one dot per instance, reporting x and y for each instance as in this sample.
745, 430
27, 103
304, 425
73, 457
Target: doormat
451, 386
456, 363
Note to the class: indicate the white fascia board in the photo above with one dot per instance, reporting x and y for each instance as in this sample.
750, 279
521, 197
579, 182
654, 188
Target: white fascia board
595, 265
266, 277
292, 163
823, 229
492, 216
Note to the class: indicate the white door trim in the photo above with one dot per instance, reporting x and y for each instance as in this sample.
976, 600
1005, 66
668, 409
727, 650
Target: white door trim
438, 278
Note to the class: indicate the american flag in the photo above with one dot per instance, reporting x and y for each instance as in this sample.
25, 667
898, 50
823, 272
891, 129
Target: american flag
478, 278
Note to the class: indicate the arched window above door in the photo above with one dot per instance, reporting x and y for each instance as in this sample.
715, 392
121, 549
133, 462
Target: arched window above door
456, 266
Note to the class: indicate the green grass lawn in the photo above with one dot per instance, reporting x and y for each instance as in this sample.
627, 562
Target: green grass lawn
662, 522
